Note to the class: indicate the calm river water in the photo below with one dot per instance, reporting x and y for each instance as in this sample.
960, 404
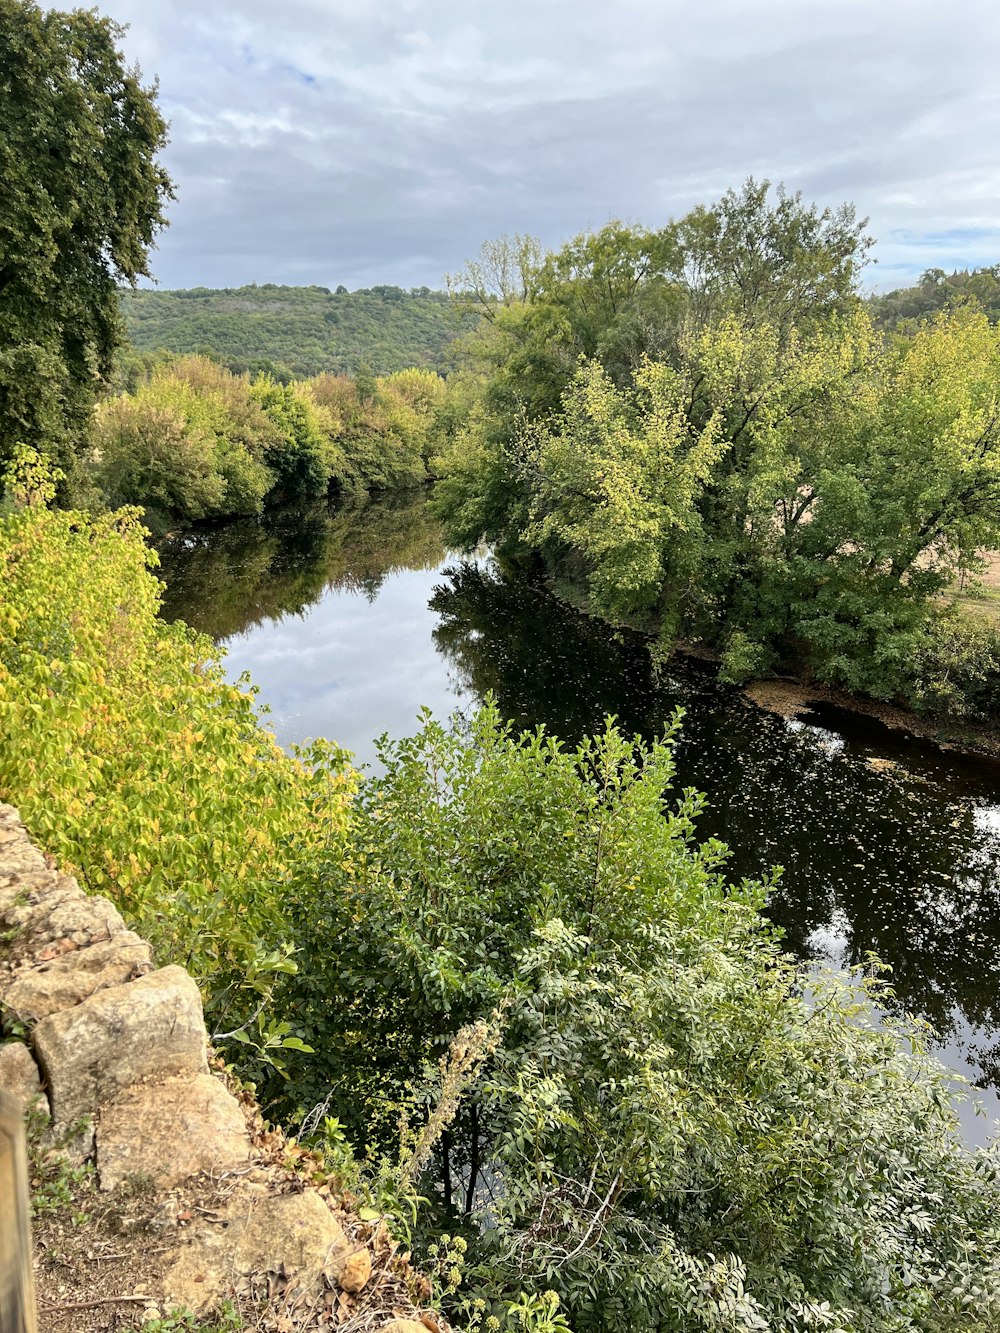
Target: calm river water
350, 620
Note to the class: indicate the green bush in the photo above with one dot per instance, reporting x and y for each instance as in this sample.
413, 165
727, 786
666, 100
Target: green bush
302, 456
139, 766
189, 443
680, 1129
957, 668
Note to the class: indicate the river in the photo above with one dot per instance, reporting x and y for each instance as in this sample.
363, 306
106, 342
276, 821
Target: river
351, 619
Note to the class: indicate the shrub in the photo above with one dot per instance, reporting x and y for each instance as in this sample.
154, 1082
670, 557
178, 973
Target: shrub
189, 443
680, 1129
138, 764
957, 668
302, 455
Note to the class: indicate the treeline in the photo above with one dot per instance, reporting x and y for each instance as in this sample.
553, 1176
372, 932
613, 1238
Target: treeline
294, 332
701, 426
585, 1086
195, 441
905, 307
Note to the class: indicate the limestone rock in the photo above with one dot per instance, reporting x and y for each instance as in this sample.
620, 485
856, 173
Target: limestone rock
17, 854
149, 1029
403, 1326
19, 1073
170, 1131
46, 912
256, 1232
350, 1269
294, 1230
76, 974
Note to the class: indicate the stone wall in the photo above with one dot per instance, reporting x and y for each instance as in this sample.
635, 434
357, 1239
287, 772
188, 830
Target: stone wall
115, 1051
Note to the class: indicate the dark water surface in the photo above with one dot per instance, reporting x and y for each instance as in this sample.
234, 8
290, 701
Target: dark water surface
349, 620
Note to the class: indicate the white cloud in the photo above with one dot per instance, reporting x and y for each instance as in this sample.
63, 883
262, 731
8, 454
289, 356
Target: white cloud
363, 141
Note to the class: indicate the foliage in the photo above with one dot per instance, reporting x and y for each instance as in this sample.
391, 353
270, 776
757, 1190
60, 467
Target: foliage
191, 440
450, 890
903, 309
137, 764
956, 668
81, 199
616, 478
58, 1178
702, 426
226, 1319
691, 1137
302, 456
298, 331
679, 1129
383, 428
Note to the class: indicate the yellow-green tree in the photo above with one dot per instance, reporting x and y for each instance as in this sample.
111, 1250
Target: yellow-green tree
138, 764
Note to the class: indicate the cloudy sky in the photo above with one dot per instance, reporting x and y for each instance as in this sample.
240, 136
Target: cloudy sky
366, 141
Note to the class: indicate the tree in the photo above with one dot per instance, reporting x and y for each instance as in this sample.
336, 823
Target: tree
81, 200
783, 263
677, 1127
502, 275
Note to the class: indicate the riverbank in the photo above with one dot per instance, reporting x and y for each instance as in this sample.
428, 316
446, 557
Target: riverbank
795, 699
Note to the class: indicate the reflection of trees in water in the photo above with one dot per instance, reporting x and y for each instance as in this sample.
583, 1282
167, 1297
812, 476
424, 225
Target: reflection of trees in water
226, 580
901, 860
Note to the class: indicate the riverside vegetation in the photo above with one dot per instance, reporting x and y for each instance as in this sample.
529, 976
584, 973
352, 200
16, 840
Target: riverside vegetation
505, 988
194, 441
701, 429
613, 1086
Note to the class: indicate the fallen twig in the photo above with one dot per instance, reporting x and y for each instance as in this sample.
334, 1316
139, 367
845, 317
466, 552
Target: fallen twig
101, 1300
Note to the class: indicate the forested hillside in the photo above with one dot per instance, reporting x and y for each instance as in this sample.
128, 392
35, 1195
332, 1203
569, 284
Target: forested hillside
298, 330
937, 291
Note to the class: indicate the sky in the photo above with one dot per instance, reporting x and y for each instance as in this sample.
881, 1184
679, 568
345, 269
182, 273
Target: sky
382, 141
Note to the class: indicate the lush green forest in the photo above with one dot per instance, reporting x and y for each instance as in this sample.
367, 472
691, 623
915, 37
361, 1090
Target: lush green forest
700, 430
298, 331
195, 441
501, 984
936, 291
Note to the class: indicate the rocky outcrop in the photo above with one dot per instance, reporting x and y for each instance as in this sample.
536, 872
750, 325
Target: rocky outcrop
19, 1074
169, 1131
116, 1051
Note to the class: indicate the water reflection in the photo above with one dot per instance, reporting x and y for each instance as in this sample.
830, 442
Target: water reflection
229, 579
349, 621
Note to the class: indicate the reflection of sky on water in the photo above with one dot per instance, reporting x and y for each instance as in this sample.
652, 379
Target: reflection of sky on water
887, 844
350, 668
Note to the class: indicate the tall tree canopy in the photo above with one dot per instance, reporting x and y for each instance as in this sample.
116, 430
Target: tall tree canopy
702, 425
81, 199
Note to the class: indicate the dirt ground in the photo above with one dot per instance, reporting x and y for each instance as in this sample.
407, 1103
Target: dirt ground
984, 600
99, 1257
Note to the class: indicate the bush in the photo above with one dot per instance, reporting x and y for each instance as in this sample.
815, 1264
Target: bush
680, 1129
383, 427
957, 669
302, 455
189, 443
138, 765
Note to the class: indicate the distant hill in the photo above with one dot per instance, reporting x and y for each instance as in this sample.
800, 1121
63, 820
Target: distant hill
301, 330
935, 291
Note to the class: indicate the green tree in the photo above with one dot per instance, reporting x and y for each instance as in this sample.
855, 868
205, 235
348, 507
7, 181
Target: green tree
81, 200
625, 294
680, 1130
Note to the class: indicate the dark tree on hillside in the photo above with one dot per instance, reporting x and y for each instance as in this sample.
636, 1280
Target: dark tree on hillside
81, 200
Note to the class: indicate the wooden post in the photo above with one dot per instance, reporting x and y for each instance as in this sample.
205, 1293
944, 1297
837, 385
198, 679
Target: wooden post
17, 1284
